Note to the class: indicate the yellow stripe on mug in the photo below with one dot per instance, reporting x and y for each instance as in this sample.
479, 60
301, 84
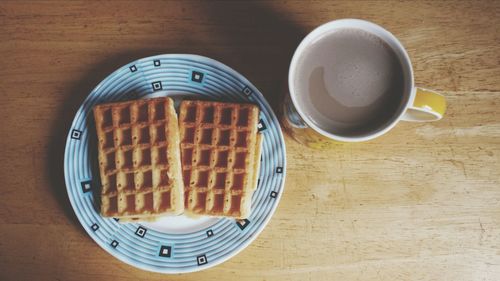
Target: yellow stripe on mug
427, 106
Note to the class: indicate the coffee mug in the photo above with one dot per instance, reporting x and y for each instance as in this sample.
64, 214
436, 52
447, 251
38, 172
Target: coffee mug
351, 80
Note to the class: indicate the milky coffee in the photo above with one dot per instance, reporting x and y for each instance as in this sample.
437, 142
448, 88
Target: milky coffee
349, 82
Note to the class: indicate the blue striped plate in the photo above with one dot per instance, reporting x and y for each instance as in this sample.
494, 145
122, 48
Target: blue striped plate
175, 244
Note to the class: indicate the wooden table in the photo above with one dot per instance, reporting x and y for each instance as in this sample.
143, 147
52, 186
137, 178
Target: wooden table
420, 203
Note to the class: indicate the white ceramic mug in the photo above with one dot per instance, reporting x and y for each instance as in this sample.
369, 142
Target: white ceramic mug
419, 104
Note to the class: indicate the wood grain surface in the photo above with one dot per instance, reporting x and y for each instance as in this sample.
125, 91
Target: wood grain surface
420, 203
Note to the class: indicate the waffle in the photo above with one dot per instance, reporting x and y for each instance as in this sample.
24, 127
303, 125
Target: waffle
220, 149
139, 159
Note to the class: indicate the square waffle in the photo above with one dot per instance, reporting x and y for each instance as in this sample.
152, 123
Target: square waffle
139, 159
220, 149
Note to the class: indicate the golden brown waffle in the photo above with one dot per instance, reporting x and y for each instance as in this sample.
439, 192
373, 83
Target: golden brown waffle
139, 159
220, 150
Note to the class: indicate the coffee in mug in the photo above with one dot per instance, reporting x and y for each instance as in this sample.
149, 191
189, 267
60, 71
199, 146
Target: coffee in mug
352, 80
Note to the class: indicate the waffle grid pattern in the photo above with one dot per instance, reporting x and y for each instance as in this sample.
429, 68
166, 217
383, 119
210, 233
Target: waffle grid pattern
135, 160
218, 146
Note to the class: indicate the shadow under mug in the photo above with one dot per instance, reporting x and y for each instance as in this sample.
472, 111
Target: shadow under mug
421, 104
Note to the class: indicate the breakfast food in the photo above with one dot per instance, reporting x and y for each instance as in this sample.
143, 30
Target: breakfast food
151, 164
220, 149
139, 159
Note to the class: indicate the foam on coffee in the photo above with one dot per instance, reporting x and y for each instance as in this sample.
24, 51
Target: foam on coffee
349, 82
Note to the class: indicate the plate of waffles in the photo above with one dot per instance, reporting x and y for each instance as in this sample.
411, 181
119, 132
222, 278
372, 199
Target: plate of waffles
174, 163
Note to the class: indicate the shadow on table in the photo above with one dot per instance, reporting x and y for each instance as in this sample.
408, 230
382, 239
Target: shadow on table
259, 39
259, 42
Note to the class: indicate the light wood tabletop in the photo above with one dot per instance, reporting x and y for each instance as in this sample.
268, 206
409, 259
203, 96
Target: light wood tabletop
419, 203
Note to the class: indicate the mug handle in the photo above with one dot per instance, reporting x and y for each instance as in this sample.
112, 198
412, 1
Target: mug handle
427, 106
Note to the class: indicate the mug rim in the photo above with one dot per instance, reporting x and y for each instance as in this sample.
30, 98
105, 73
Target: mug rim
395, 44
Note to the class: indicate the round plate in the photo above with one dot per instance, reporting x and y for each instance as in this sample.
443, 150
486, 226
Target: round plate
174, 244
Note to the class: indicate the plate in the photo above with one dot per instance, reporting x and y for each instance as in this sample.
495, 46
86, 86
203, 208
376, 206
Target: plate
172, 244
